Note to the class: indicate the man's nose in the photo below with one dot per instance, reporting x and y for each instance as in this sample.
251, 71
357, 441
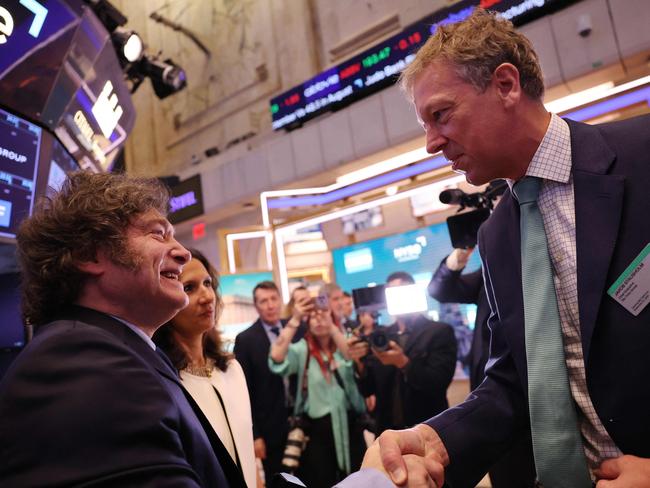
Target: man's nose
179, 253
435, 140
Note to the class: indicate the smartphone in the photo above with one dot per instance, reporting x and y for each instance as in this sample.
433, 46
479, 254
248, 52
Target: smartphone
321, 302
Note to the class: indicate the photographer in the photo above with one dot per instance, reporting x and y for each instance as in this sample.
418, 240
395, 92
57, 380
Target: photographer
327, 399
411, 376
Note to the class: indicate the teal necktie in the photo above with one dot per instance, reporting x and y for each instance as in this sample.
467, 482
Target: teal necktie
557, 444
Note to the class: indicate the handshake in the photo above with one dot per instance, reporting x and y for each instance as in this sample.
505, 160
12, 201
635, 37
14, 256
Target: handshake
413, 457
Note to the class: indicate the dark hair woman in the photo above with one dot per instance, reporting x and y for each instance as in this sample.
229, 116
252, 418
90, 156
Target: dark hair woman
212, 376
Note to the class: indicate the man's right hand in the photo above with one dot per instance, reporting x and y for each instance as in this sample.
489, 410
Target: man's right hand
259, 446
458, 258
421, 441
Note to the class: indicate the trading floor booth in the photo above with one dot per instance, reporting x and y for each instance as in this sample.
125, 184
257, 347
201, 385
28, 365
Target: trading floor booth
64, 105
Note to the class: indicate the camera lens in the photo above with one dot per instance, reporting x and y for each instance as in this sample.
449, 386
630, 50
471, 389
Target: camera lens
379, 340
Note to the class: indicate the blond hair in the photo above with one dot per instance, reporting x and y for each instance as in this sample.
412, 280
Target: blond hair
475, 47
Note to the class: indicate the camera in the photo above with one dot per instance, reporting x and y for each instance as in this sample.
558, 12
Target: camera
583, 25
321, 302
463, 227
296, 443
380, 338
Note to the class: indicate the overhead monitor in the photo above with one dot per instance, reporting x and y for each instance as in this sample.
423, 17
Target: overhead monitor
19, 149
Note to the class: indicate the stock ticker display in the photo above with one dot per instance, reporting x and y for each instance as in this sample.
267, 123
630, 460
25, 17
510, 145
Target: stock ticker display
379, 67
19, 148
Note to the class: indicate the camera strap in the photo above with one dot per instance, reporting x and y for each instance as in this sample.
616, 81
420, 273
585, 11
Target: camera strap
300, 409
339, 380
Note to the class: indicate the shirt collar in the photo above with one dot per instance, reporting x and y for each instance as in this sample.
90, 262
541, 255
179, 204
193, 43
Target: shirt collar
552, 160
268, 327
138, 331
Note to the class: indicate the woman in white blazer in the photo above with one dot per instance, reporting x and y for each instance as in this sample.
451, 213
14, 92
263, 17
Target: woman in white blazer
213, 377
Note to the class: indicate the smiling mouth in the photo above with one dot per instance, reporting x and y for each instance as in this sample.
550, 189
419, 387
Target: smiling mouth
170, 275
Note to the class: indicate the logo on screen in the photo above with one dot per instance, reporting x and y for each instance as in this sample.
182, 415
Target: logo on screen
410, 252
6, 25
106, 110
182, 201
5, 213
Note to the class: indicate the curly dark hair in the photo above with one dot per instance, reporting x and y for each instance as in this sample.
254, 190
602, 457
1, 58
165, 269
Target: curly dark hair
89, 213
212, 342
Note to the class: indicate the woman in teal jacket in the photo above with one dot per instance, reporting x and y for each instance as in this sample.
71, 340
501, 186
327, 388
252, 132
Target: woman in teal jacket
327, 395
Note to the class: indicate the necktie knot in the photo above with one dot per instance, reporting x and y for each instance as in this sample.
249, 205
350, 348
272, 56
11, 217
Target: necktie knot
527, 189
275, 330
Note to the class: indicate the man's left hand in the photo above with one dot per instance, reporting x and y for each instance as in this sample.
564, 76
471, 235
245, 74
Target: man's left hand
624, 472
393, 356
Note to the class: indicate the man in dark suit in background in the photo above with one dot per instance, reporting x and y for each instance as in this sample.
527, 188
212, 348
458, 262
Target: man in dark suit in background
90, 401
579, 210
269, 393
411, 375
516, 467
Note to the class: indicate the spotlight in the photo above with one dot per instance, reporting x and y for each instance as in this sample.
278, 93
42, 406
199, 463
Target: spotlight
128, 45
166, 76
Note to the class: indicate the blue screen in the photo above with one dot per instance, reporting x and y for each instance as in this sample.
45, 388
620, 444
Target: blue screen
418, 252
19, 149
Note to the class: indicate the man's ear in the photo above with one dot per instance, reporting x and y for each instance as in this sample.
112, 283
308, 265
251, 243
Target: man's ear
506, 81
94, 267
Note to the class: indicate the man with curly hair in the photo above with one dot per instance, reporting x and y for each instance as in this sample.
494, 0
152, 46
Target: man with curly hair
90, 401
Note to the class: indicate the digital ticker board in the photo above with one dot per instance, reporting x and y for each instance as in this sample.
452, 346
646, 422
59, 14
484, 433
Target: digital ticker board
379, 66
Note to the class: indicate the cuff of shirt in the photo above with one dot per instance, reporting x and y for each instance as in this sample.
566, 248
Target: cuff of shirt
366, 477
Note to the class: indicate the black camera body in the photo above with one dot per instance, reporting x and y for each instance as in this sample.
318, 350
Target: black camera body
463, 227
380, 338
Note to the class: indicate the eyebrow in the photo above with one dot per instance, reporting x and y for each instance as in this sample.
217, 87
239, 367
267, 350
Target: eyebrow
147, 224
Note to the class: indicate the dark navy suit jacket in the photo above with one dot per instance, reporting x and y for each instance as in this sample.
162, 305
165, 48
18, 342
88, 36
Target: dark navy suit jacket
611, 177
89, 403
268, 402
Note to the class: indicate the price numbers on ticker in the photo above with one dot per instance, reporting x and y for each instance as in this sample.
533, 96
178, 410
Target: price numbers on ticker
406, 43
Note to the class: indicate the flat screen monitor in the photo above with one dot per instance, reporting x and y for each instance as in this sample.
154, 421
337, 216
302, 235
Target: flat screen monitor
60, 164
418, 252
238, 308
19, 149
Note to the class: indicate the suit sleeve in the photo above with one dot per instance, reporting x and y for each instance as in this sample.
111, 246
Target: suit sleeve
366, 380
449, 286
101, 396
242, 354
485, 425
433, 367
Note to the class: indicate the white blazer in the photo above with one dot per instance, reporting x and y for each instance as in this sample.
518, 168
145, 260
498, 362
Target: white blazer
231, 385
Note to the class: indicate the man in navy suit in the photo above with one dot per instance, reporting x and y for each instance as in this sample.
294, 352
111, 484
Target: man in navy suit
90, 401
477, 88
270, 395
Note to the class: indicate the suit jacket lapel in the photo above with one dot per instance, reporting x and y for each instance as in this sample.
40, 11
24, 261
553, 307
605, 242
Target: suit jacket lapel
125, 334
598, 207
263, 338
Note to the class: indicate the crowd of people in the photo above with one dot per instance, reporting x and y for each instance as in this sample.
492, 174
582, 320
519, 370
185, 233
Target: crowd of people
311, 366
126, 381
